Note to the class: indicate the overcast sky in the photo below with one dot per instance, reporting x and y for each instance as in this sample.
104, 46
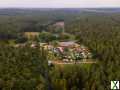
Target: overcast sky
59, 3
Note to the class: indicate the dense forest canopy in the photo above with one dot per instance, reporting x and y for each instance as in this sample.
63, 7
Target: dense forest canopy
26, 68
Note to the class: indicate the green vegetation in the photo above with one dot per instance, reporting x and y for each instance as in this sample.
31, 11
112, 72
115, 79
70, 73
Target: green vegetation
26, 68
22, 68
46, 37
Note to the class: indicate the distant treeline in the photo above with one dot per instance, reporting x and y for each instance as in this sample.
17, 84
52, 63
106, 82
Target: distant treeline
15, 21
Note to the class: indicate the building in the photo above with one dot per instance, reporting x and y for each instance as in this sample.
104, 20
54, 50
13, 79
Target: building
68, 44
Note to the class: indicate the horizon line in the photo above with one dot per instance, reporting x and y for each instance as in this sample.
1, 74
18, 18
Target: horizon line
55, 7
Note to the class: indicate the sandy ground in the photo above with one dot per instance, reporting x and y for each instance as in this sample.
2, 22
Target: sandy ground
78, 62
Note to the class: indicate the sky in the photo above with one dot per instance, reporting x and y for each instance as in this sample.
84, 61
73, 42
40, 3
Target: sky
59, 3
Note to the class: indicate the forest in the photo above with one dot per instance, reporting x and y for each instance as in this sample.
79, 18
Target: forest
27, 68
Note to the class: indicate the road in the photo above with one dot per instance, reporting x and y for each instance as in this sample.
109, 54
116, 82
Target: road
84, 62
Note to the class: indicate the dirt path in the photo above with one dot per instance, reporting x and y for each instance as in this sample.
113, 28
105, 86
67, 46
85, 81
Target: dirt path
81, 62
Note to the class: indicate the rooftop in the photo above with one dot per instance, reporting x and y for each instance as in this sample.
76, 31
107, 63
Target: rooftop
66, 44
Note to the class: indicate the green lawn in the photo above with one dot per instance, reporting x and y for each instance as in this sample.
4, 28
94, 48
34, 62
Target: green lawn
70, 66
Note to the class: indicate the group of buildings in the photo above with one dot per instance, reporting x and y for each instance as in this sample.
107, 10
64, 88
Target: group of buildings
68, 51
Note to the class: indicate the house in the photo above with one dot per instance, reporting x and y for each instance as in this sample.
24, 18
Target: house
60, 49
33, 45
